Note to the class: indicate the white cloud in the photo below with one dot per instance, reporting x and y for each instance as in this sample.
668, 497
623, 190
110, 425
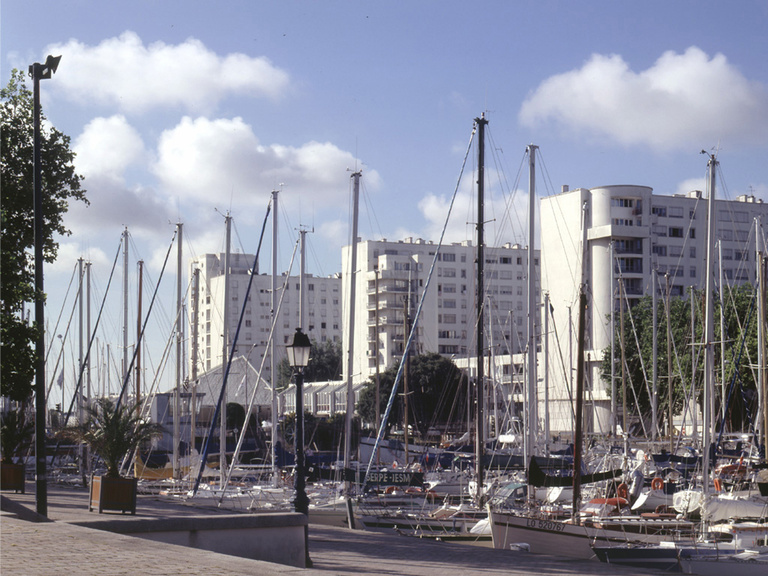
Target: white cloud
125, 73
203, 160
506, 219
683, 100
107, 147
689, 185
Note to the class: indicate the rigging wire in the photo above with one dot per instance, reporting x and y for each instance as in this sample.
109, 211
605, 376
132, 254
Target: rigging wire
393, 394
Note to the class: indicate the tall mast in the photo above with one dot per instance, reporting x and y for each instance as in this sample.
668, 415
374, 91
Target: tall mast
722, 327
709, 327
224, 356
194, 351
613, 342
272, 356
655, 352
480, 290
125, 305
138, 337
177, 392
352, 298
546, 371
302, 286
579, 411
761, 333
80, 396
670, 380
533, 308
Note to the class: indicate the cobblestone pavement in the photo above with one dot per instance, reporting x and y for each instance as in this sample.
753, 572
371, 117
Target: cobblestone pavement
31, 548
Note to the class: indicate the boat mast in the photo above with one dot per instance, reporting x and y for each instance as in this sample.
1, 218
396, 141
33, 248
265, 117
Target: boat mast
351, 349
533, 308
224, 355
709, 328
272, 357
761, 335
670, 381
546, 372
177, 390
480, 289
125, 305
138, 336
195, 352
613, 340
655, 348
579, 411
82, 450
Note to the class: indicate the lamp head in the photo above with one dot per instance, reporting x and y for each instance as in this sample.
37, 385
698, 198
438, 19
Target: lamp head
298, 351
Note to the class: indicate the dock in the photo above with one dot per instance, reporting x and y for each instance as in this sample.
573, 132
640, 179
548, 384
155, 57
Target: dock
31, 546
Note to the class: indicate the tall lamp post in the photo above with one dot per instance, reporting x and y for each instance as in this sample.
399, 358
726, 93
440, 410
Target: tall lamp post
298, 358
39, 72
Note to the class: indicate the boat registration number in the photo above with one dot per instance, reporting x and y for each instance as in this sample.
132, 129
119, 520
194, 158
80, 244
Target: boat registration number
545, 525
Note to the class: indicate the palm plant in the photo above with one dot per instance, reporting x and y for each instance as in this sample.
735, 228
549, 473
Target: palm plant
113, 431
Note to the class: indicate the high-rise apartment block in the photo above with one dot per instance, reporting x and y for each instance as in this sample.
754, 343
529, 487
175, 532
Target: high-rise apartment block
322, 300
629, 233
392, 281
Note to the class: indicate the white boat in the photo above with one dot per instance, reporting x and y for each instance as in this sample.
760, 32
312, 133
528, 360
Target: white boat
546, 534
737, 548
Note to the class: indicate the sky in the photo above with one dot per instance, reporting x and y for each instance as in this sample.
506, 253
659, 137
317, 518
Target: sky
184, 111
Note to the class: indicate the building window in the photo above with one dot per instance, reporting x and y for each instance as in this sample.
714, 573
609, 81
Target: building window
659, 250
675, 232
675, 211
659, 210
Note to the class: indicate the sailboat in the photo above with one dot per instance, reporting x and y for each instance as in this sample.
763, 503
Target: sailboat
733, 545
602, 521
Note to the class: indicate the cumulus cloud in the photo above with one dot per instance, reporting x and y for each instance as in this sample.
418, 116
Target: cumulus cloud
683, 100
125, 73
107, 147
200, 159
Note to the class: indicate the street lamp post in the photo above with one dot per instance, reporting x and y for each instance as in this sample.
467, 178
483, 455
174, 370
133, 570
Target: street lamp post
39, 72
298, 357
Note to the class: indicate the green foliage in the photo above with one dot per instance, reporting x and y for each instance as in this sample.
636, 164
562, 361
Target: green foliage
435, 386
321, 433
638, 346
112, 432
16, 433
60, 185
324, 365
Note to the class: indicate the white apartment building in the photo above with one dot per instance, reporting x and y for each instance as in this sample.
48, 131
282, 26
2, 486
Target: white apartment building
322, 301
391, 279
629, 233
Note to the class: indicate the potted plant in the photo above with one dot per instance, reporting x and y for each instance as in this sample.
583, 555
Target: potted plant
15, 434
112, 432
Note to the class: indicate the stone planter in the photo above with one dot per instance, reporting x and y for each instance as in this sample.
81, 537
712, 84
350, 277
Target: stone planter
12, 476
112, 494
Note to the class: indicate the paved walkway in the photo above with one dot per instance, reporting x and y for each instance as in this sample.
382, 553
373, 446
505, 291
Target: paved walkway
32, 548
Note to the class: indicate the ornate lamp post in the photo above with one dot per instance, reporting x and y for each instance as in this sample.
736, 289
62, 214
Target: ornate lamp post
298, 358
39, 72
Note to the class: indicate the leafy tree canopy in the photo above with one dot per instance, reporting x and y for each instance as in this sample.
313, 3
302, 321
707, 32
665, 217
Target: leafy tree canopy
435, 388
324, 364
740, 319
60, 185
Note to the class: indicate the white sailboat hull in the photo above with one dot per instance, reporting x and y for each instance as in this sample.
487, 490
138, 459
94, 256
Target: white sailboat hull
552, 536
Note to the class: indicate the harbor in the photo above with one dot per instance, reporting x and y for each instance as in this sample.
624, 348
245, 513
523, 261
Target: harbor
42, 548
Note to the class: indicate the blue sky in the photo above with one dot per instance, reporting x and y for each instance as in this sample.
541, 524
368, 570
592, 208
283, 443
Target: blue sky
180, 111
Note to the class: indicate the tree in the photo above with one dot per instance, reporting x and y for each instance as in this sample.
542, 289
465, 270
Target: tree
113, 431
324, 364
434, 386
60, 184
740, 326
